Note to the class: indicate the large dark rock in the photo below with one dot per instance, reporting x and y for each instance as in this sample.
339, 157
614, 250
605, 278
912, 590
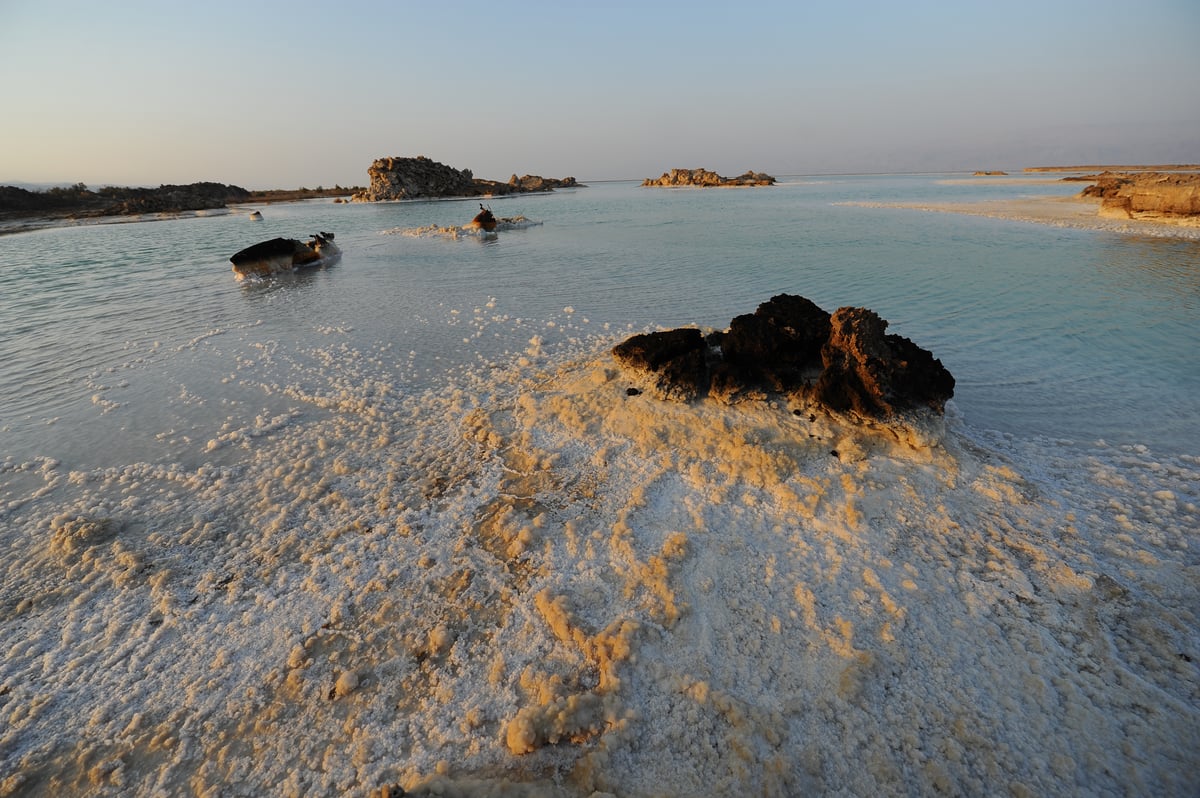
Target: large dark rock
675, 358
778, 342
875, 374
846, 362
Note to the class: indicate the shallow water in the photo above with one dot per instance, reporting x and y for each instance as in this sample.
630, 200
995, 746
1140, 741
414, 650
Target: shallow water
397, 518
1066, 333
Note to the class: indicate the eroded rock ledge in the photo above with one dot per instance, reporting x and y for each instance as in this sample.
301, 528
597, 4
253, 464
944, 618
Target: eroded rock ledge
844, 362
1141, 195
703, 177
423, 178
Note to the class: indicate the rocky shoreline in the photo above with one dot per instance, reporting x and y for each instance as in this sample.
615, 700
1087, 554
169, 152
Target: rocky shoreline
703, 178
1146, 195
1182, 167
22, 210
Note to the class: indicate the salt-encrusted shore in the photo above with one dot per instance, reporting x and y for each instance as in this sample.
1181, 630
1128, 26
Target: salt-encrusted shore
1074, 212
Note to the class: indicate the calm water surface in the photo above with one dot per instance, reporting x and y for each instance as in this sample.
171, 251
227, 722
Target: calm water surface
129, 342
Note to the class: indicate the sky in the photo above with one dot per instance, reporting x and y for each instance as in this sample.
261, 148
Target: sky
266, 94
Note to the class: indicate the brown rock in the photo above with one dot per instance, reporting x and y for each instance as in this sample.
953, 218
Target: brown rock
874, 374
421, 177
1146, 194
705, 178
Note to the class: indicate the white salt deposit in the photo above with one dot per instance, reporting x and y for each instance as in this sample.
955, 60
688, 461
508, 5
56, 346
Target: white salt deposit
463, 231
530, 582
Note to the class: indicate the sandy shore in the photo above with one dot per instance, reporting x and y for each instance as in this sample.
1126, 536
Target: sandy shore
27, 224
1072, 212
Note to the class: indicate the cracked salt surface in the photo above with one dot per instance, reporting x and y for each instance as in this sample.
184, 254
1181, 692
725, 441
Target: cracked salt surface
527, 581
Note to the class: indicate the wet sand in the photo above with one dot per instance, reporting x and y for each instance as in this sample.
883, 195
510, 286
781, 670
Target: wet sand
1074, 212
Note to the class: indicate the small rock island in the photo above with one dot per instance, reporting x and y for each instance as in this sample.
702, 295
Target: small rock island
704, 178
423, 178
844, 362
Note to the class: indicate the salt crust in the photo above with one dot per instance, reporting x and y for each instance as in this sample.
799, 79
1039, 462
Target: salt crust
533, 583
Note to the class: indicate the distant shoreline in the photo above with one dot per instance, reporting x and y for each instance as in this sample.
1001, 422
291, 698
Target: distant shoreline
1073, 212
23, 211
1184, 167
1080, 213
19, 223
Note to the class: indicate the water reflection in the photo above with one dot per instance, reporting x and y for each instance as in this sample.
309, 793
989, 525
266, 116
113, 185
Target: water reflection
1162, 268
257, 289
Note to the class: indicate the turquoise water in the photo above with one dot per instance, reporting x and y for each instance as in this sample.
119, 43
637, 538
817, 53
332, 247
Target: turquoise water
399, 517
1066, 333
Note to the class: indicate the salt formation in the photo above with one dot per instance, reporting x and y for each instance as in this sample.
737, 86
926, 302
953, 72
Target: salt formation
503, 224
530, 582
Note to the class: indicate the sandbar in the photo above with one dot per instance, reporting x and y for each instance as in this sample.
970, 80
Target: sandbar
1074, 212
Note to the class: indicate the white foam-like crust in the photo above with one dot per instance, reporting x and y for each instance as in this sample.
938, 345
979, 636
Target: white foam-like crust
531, 582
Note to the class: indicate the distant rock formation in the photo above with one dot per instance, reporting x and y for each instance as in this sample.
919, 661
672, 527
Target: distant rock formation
990, 173
845, 361
1142, 195
423, 178
705, 178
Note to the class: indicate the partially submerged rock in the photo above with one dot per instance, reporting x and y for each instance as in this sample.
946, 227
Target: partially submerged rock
874, 374
789, 346
280, 255
704, 178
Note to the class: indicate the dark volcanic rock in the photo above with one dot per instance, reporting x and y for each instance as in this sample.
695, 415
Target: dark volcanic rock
845, 362
676, 358
874, 374
778, 342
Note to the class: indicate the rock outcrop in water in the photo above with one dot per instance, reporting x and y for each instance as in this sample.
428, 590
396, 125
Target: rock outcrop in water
845, 361
1146, 195
423, 178
705, 178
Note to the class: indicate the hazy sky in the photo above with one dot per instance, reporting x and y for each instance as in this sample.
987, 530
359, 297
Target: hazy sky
269, 94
